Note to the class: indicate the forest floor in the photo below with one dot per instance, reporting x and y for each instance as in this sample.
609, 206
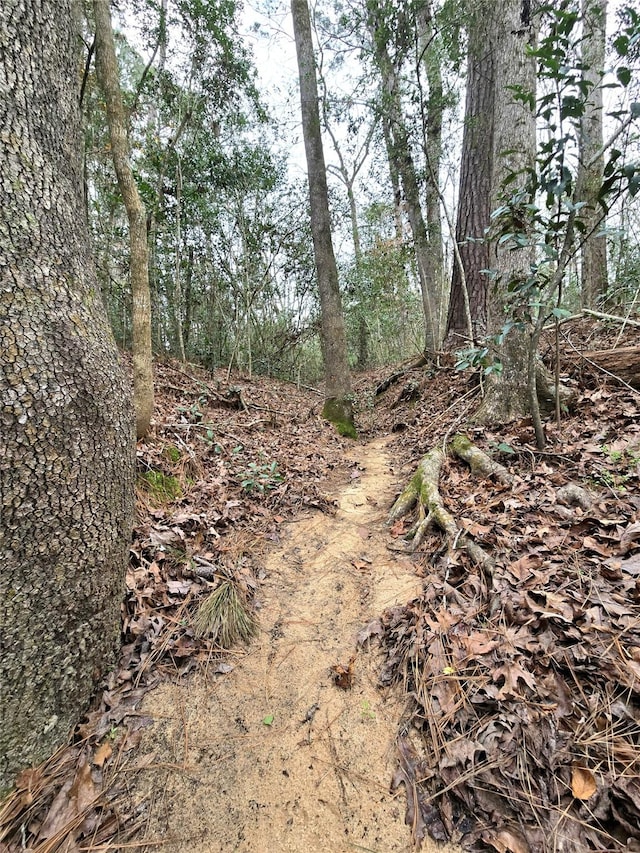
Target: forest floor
387, 699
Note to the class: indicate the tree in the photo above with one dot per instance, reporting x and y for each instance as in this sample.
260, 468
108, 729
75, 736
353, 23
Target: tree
593, 274
499, 147
66, 461
467, 319
385, 28
510, 34
107, 68
338, 407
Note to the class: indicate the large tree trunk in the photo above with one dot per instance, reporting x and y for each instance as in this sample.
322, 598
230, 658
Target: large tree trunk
338, 406
66, 425
107, 68
467, 320
593, 276
513, 152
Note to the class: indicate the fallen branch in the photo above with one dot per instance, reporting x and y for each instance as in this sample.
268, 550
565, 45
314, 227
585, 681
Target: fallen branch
613, 317
397, 376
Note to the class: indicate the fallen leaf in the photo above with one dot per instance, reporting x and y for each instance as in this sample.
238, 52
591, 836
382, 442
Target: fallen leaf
103, 753
343, 675
268, 720
583, 783
507, 841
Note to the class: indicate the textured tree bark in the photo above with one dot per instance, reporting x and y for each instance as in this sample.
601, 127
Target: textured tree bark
66, 423
338, 407
430, 45
107, 69
593, 274
474, 196
510, 29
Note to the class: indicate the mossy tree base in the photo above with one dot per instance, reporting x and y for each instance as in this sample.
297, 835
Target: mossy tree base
339, 411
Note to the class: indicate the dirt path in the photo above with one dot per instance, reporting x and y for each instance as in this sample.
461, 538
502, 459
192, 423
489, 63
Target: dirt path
317, 778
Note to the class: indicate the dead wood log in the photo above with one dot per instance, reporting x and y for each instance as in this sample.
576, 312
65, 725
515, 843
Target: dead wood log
622, 363
397, 376
423, 491
479, 462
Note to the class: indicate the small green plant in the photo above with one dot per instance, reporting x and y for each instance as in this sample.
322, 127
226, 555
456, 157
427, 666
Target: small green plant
366, 711
172, 453
261, 478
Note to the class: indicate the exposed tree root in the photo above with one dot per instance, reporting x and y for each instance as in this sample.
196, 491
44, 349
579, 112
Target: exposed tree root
423, 491
478, 460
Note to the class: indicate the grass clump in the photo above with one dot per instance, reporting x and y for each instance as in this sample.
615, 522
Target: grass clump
225, 616
162, 487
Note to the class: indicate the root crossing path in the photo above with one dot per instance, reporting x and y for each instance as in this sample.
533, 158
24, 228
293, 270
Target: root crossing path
273, 756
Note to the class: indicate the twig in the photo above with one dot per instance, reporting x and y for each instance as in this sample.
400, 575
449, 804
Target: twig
614, 317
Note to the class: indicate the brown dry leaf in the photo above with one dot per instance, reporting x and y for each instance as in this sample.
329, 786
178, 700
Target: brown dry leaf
103, 753
522, 568
630, 537
591, 544
397, 528
513, 673
343, 675
72, 800
583, 783
507, 841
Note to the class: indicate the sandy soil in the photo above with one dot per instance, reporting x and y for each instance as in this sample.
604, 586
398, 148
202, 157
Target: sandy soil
220, 777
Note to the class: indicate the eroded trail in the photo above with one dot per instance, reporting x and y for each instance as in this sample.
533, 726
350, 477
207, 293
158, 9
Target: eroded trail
317, 778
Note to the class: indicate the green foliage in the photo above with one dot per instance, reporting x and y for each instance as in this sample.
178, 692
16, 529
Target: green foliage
172, 453
163, 488
261, 477
545, 213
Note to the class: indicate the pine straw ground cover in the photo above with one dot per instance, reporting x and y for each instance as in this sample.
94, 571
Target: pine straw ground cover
524, 733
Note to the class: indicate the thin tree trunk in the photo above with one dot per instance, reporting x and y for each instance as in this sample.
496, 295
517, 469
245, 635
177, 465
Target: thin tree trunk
428, 43
403, 164
338, 406
107, 69
593, 275
177, 283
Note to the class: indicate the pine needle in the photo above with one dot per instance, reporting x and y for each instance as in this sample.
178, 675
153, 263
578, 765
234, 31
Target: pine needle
225, 616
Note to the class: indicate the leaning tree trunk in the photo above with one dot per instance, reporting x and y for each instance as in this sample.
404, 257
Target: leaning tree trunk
338, 407
402, 163
66, 424
107, 68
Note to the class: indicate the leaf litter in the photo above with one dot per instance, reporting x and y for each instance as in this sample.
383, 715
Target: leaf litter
524, 733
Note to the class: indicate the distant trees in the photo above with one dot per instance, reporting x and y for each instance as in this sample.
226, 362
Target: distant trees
66, 435
232, 273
